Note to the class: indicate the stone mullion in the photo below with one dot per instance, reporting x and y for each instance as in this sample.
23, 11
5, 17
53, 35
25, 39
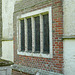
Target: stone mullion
26, 36
19, 37
41, 33
50, 33
33, 34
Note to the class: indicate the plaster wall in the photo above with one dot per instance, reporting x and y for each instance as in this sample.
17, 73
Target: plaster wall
69, 17
69, 30
7, 29
7, 50
7, 18
69, 56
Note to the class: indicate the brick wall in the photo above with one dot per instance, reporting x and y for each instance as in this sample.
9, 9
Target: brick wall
54, 64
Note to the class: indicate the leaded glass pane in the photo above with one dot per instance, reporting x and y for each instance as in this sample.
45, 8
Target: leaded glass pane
37, 34
46, 33
22, 36
29, 34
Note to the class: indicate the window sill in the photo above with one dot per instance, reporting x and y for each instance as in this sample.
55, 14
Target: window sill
35, 54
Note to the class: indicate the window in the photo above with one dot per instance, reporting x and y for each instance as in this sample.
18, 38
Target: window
46, 33
29, 25
22, 36
36, 33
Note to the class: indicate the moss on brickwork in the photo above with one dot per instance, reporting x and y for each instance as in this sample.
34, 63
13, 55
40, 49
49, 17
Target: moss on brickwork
5, 62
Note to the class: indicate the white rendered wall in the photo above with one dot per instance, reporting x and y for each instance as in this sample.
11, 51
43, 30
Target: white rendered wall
7, 18
69, 30
7, 29
7, 50
69, 17
69, 57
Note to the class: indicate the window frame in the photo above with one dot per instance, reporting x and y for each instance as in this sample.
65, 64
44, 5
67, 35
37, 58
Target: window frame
33, 14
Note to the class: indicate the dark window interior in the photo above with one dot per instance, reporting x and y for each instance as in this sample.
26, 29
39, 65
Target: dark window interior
29, 34
46, 33
22, 36
37, 34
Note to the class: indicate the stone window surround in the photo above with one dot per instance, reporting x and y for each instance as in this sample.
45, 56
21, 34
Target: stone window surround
32, 15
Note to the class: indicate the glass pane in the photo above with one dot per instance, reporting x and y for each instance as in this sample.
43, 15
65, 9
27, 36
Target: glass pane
46, 33
37, 34
29, 34
22, 36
